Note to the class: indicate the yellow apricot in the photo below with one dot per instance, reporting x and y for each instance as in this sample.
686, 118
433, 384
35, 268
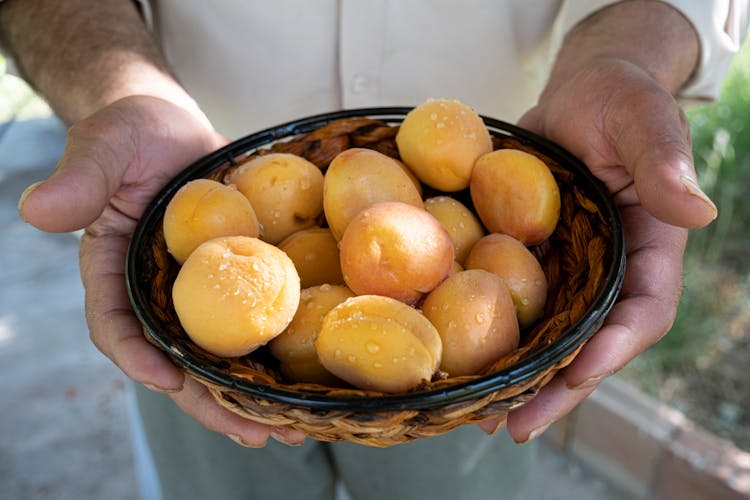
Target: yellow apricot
235, 294
515, 193
476, 318
460, 222
204, 209
396, 250
519, 269
285, 190
294, 348
315, 254
358, 178
440, 140
455, 268
379, 343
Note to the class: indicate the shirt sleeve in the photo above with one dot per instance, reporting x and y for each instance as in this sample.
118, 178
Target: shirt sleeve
721, 26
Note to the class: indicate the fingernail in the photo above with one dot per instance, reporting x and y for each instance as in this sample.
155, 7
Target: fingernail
500, 425
24, 195
237, 439
535, 434
287, 440
163, 390
692, 187
589, 382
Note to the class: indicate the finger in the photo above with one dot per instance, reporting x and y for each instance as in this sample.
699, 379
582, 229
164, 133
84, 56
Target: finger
494, 424
554, 401
113, 328
195, 400
647, 304
131, 148
88, 174
288, 436
651, 136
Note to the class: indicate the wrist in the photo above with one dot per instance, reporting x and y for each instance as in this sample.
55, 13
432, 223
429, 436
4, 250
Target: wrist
649, 34
143, 79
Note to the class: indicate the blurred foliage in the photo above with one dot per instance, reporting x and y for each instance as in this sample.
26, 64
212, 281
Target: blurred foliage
721, 147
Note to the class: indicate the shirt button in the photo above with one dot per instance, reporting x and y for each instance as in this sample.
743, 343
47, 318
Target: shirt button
360, 83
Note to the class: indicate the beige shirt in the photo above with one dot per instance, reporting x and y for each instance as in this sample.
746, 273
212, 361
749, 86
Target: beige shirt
254, 64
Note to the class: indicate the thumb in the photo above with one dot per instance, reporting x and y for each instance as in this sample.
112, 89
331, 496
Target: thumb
88, 174
658, 154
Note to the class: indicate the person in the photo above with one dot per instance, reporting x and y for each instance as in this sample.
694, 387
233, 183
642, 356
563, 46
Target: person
150, 87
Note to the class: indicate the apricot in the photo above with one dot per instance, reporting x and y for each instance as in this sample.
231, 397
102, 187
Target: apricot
519, 269
440, 140
476, 319
234, 294
460, 222
285, 190
379, 343
294, 348
204, 209
515, 193
396, 250
358, 178
315, 254
413, 178
455, 268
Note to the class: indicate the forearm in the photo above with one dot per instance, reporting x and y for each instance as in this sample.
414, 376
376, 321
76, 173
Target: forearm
648, 33
82, 55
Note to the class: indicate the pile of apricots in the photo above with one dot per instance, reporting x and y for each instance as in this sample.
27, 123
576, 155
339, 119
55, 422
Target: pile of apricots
392, 288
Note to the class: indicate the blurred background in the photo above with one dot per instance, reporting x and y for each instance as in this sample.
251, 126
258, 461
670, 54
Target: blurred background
50, 381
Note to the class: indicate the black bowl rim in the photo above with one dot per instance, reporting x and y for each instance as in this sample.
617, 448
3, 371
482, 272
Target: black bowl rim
538, 360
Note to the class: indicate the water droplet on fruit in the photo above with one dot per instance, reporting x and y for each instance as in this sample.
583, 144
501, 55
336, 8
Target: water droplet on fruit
372, 347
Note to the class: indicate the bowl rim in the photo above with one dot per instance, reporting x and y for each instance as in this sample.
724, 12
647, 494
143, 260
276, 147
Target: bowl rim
536, 361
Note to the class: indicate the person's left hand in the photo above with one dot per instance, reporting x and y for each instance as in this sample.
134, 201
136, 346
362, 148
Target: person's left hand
635, 138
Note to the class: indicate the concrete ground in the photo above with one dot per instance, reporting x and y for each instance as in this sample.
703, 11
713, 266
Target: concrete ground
66, 431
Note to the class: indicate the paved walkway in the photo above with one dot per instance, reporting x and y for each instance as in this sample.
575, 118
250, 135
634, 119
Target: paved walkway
65, 431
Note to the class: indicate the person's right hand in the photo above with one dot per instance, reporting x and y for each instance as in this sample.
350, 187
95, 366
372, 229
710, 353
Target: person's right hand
115, 161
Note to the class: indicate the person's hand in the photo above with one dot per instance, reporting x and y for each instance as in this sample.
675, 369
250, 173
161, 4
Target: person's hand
114, 163
633, 136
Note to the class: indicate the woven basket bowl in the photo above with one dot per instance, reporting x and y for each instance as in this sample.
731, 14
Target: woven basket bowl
583, 260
